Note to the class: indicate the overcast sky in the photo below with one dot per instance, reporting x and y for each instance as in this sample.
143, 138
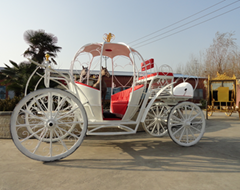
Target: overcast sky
78, 22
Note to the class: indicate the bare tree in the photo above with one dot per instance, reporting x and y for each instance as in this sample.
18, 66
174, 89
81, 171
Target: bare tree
219, 53
222, 57
193, 67
179, 68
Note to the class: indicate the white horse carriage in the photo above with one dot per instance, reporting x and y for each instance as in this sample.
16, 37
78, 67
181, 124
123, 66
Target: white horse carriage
49, 124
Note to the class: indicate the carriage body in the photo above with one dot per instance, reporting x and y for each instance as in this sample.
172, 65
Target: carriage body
49, 124
223, 95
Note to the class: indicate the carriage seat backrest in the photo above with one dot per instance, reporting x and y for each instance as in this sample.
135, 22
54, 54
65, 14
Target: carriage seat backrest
223, 94
119, 101
149, 64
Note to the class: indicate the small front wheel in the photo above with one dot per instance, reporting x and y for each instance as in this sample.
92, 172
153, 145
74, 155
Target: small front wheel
186, 124
48, 124
156, 120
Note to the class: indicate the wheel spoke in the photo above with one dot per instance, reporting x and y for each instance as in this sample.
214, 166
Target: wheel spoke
67, 132
66, 108
190, 113
29, 125
192, 134
161, 110
40, 107
196, 129
178, 130
176, 124
197, 122
195, 116
162, 127
42, 135
157, 110
150, 124
176, 118
180, 138
186, 115
51, 135
158, 128
34, 116
153, 112
179, 111
150, 114
154, 128
62, 142
66, 114
59, 106
50, 104
43, 104
28, 137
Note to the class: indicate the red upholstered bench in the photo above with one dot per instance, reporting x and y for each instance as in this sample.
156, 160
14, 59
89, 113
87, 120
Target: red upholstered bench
119, 101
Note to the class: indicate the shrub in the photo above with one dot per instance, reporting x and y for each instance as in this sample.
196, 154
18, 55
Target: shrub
9, 104
204, 103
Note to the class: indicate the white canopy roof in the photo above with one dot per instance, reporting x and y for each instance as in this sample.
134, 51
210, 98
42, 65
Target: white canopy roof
110, 49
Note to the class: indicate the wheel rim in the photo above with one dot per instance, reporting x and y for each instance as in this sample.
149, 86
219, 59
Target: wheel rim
186, 124
156, 120
48, 130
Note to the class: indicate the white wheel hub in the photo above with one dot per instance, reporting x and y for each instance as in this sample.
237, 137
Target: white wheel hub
51, 124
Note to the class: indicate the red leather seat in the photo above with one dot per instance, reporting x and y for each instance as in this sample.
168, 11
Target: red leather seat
119, 101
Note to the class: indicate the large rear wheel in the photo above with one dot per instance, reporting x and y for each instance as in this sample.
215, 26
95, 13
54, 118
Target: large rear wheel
48, 124
186, 124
